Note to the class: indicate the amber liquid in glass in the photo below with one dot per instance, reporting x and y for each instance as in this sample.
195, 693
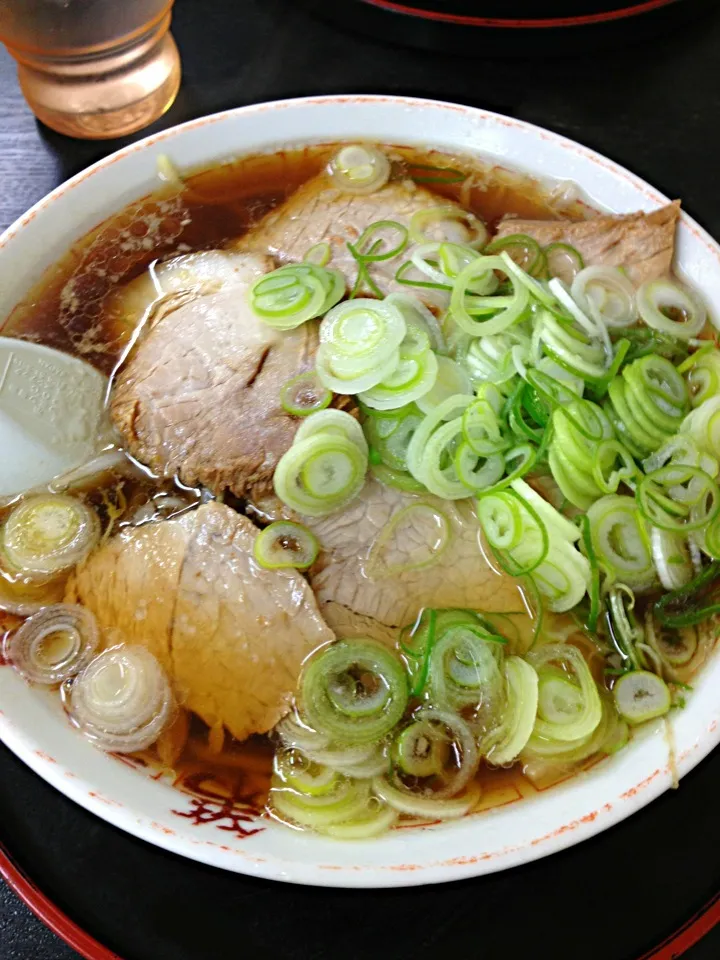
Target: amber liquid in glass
93, 68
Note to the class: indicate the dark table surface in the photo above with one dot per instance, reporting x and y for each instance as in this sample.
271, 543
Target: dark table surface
654, 108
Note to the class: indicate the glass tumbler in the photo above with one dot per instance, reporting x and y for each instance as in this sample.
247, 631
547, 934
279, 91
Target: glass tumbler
93, 68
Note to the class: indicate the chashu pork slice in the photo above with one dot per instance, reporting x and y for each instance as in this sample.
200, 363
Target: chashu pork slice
642, 243
353, 589
232, 635
199, 398
319, 212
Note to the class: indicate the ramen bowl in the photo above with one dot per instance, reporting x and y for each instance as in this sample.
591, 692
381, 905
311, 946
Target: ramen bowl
203, 825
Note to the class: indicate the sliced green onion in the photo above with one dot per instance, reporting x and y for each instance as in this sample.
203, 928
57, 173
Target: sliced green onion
497, 359
304, 394
415, 537
370, 245
363, 760
339, 422
481, 429
378, 818
442, 262
521, 683
582, 453
430, 173
366, 329
514, 531
48, 534
417, 456
580, 353
550, 389
427, 807
675, 647
607, 294
505, 311
679, 498
525, 251
641, 696
703, 425
606, 474
594, 588
416, 314
122, 701
390, 433
478, 472
661, 301
563, 261
320, 474
374, 246
285, 544
563, 577
672, 558
411, 379
304, 775
54, 644
358, 345
648, 402
703, 375
416, 642
421, 219
696, 601
463, 669
319, 255
348, 802
623, 629
418, 751
359, 169
397, 479
355, 691
450, 380
621, 540
350, 376
569, 706
293, 294
438, 746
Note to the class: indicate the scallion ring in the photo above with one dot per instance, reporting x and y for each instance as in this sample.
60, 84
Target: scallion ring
671, 309
304, 394
320, 474
333, 421
354, 690
415, 537
285, 544
122, 700
54, 644
563, 261
47, 534
421, 219
294, 294
641, 696
360, 169
621, 540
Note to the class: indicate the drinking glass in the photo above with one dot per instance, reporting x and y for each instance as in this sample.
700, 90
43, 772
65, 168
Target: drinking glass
93, 68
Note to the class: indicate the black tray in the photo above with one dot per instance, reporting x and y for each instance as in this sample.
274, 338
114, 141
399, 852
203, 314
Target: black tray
646, 888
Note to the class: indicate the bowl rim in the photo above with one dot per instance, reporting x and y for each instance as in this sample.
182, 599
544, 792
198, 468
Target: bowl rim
79, 788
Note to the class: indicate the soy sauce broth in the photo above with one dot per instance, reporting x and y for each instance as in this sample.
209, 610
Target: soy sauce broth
71, 309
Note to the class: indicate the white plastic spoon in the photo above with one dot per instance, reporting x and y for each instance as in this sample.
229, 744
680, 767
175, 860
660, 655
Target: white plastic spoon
51, 414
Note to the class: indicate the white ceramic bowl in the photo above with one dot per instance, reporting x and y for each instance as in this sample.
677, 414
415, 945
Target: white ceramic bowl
32, 723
